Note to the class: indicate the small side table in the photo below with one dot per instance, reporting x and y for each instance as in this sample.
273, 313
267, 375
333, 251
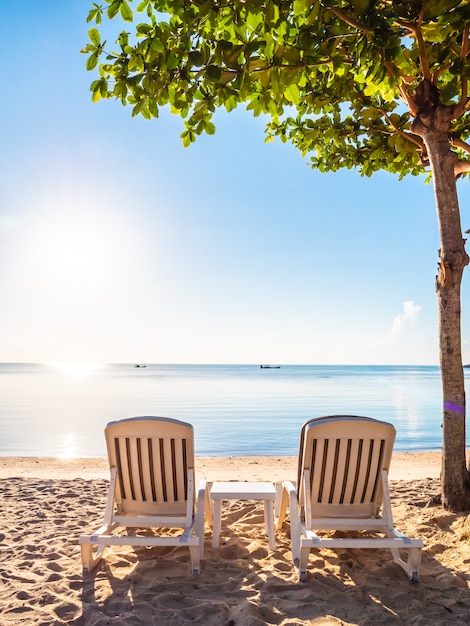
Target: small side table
243, 491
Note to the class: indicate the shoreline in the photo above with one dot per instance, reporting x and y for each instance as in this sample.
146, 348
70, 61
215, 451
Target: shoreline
404, 466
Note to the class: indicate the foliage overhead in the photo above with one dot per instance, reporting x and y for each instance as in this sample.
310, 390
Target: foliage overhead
342, 80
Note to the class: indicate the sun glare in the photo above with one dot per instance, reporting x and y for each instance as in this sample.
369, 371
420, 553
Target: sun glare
69, 449
74, 246
72, 254
77, 370
83, 266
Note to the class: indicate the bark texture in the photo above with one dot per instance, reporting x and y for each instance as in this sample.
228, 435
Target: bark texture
432, 124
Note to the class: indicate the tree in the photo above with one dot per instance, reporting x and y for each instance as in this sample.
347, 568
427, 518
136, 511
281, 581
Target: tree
365, 84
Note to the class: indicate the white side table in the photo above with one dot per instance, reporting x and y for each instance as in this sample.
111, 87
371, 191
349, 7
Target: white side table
243, 491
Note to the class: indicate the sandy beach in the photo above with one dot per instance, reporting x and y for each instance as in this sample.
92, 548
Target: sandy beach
47, 503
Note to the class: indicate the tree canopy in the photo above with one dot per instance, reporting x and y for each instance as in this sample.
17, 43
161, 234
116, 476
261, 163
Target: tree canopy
342, 80
365, 84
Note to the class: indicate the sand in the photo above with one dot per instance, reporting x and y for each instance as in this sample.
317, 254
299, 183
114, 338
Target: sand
47, 503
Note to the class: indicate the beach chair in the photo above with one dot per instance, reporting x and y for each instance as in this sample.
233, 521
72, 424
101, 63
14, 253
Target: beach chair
342, 485
152, 486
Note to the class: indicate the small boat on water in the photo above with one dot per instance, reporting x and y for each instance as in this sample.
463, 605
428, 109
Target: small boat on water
139, 365
270, 367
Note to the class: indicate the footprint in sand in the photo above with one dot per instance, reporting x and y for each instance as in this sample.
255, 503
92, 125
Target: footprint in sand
66, 611
53, 578
23, 595
55, 567
260, 553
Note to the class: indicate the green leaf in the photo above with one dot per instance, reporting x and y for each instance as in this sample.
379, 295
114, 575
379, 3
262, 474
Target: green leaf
126, 12
213, 73
188, 138
457, 67
92, 61
99, 89
438, 7
171, 61
120, 89
157, 45
138, 108
136, 63
153, 108
94, 35
95, 15
113, 9
143, 29
301, 6
210, 128
313, 15
196, 58
361, 6
292, 94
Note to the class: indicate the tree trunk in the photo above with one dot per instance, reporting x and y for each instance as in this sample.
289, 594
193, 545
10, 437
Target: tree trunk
433, 126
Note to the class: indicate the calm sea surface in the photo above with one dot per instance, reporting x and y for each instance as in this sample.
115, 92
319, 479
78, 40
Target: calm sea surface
236, 410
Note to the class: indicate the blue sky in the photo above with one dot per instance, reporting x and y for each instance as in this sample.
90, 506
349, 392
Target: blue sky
119, 245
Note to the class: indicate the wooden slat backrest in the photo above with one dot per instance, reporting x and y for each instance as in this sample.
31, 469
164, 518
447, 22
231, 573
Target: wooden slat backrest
152, 456
344, 457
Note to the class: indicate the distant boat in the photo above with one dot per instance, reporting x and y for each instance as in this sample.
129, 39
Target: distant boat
139, 365
270, 367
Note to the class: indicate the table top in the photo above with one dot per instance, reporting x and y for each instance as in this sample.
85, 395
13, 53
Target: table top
243, 490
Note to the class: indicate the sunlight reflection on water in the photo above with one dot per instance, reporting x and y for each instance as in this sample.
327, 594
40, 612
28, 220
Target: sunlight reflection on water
77, 370
61, 409
69, 448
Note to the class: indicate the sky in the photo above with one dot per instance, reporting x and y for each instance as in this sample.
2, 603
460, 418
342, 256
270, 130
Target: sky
119, 245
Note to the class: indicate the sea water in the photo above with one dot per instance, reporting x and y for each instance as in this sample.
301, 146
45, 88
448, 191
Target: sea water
236, 410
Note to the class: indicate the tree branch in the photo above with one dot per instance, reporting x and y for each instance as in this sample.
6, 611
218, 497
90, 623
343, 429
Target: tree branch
463, 104
464, 50
459, 143
441, 70
407, 136
409, 100
349, 20
421, 46
461, 167
416, 31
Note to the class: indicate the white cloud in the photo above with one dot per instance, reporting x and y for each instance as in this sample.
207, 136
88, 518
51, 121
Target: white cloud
406, 320
401, 323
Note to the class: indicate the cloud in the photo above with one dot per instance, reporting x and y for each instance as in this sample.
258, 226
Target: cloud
406, 320
403, 322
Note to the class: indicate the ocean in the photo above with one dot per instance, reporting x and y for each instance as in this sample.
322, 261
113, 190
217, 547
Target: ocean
61, 410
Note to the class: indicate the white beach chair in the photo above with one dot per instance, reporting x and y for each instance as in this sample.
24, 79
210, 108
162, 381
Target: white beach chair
343, 485
151, 460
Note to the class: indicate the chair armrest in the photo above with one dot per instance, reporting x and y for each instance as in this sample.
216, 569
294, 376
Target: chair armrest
208, 503
201, 499
286, 497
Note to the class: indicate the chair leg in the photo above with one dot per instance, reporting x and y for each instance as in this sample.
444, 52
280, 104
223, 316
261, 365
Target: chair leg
199, 532
90, 560
303, 562
412, 563
195, 560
